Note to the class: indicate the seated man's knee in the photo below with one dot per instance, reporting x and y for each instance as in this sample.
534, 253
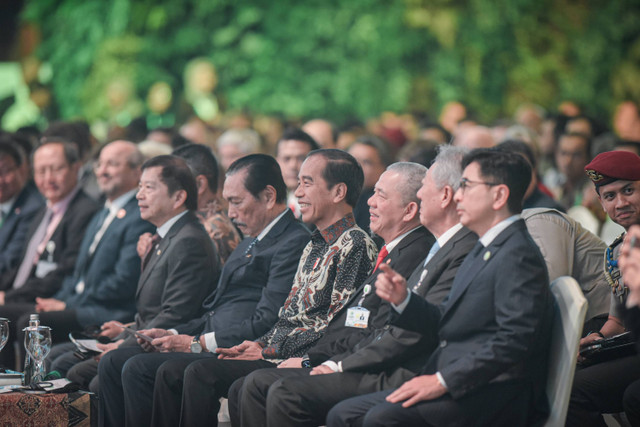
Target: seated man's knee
170, 373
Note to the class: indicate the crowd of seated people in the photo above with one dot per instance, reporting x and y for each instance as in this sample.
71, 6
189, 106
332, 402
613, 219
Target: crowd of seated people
394, 273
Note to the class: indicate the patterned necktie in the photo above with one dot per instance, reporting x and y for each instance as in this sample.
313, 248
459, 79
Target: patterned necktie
382, 255
99, 229
251, 245
31, 255
155, 240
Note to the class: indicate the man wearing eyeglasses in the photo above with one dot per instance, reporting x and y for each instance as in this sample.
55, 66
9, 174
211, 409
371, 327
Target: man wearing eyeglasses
54, 238
493, 328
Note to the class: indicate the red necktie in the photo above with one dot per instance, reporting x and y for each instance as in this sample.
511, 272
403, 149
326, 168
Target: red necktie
381, 255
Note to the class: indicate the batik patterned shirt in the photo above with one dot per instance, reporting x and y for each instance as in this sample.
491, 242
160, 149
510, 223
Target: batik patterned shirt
334, 263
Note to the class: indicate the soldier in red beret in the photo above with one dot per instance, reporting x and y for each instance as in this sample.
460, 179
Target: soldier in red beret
600, 388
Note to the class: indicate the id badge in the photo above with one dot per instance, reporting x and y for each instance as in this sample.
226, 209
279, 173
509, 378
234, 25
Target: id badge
45, 267
357, 317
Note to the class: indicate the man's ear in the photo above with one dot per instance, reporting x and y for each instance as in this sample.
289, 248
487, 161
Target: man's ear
179, 198
411, 211
202, 184
269, 195
447, 196
500, 196
339, 192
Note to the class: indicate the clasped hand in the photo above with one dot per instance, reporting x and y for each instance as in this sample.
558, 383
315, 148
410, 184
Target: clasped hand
247, 350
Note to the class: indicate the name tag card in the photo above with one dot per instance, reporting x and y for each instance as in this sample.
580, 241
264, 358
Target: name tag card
357, 317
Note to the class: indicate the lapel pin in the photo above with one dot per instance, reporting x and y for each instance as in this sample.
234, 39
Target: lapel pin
159, 252
121, 213
486, 256
17, 211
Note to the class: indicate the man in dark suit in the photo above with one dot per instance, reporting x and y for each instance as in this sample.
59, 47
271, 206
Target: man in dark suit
100, 288
339, 257
181, 267
19, 203
53, 240
253, 286
382, 356
493, 328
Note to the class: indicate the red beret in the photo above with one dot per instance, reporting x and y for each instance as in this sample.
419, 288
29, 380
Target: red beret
612, 166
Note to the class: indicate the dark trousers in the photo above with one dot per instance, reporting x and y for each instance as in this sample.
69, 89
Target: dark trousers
127, 378
599, 389
61, 358
187, 392
631, 403
85, 373
499, 404
292, 397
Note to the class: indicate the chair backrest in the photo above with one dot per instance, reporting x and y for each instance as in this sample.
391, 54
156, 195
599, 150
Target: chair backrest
570, 310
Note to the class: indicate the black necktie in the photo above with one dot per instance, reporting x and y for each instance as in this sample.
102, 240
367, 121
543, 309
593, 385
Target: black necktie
147, 256
476, 250
251, 245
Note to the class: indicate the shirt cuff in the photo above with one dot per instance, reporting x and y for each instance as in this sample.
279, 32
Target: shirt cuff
400, 307
439, 376
335, 367
173, 331
210, 341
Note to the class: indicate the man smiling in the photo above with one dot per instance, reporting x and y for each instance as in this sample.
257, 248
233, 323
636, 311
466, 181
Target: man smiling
181, 267
253, 286
490, 364
338, 258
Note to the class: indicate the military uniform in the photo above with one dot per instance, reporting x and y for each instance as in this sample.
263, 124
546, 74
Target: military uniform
599, 389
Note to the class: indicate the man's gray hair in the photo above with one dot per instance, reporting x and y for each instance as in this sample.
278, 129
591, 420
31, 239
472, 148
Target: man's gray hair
412, 174
246, 140
447, 166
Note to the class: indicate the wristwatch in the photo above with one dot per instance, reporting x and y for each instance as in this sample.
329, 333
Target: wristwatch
196, 347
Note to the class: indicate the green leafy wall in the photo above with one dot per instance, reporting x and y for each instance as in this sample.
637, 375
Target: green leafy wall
354, 58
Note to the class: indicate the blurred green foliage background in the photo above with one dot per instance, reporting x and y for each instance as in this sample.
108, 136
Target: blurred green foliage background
340, 59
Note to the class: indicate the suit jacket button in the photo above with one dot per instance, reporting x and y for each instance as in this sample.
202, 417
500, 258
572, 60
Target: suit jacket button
443, 343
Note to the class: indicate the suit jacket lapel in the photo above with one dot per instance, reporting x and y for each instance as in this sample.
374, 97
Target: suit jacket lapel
85, 258
435, 262
394, 254
162, 247
83, 255
238, 258
470, 268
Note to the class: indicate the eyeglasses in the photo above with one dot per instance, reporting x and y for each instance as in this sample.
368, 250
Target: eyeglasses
109, 163
55, 170
464, 183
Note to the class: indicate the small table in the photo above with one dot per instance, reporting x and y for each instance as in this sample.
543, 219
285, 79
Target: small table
50, 409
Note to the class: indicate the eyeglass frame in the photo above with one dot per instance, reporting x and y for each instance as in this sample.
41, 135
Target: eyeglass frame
464, 184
